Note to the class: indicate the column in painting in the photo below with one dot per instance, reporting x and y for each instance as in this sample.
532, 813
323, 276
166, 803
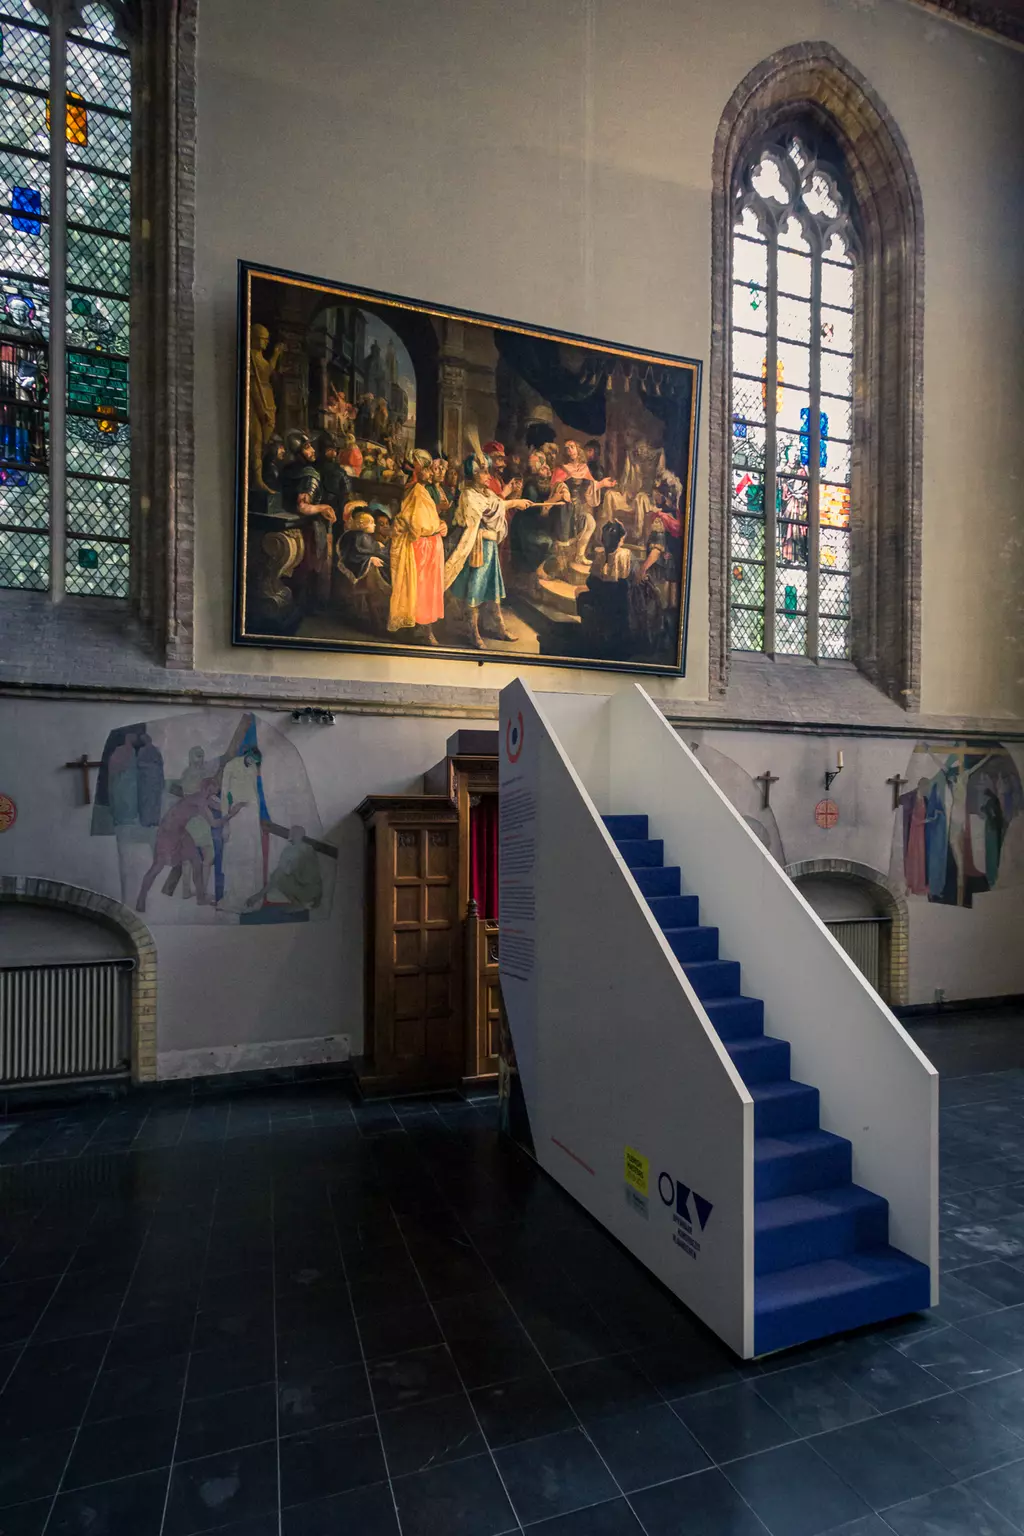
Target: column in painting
98, 435
452, 389
25, 304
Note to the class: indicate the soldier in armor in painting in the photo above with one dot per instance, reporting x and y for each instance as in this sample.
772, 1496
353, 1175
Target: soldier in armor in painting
302, 493
334, 480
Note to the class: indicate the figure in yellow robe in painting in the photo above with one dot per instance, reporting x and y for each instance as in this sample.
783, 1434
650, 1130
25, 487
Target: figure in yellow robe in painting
417, 556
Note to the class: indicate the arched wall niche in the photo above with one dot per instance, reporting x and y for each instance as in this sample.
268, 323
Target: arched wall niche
32, 891
885, 900
813, 83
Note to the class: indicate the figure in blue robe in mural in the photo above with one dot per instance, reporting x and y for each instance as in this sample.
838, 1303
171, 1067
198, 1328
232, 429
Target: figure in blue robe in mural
936, 838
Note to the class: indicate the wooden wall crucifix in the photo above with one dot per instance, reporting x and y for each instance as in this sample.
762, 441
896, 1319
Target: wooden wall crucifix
83, 764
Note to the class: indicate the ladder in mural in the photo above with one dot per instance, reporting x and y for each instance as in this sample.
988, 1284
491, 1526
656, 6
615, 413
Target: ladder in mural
652, 1076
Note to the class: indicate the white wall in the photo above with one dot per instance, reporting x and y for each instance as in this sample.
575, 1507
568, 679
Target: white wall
552, 164
44, 935
221, 986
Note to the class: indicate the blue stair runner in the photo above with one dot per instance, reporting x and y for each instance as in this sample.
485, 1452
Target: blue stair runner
822, 1260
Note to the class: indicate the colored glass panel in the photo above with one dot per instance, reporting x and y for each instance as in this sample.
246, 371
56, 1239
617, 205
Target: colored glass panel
93, 451
97, 384
834, 549
834, 506
21, 171
96, 569
747, 445
109, 146
747, 491
788, 457
98, 322
28, 204
750, 306
746, 583
76, 121
24, 309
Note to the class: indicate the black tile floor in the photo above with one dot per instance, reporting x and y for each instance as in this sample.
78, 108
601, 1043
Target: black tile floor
287, 1315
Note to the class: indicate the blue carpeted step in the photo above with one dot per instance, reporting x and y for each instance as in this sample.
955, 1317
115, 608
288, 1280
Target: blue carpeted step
802, 1160
714, 978
735, 1018
785, 1106
642, 853
822, 1224
693, 943
811, 1301
656, 882
759, 1058
675, 911
626, 826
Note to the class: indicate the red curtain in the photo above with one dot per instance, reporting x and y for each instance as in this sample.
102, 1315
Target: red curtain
483, 855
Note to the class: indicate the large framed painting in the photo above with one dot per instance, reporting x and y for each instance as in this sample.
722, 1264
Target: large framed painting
415, 479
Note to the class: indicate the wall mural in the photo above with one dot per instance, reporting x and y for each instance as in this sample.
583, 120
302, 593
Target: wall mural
959, 830
411, 478
214, 821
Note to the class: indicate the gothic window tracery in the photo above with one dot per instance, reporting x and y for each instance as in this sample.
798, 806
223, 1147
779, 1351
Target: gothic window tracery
794, 269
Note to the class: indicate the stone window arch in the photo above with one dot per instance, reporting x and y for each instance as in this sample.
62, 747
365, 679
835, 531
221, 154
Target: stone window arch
811, 91
34, 891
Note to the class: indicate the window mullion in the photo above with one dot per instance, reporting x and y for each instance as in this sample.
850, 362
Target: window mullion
771, 381
58, 302
814, 461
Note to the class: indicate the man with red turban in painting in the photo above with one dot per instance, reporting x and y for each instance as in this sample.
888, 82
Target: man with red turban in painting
417, 555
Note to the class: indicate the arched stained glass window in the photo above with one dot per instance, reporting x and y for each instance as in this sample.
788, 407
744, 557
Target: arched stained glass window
65, 282
794, 252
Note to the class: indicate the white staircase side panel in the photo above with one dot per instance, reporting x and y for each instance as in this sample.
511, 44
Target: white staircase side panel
877, 1088
613, 1049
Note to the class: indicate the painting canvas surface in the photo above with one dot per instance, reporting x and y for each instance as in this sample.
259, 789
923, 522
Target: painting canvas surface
420, 480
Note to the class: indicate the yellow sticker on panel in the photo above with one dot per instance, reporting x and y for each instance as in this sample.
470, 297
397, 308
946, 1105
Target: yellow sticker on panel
637, 1169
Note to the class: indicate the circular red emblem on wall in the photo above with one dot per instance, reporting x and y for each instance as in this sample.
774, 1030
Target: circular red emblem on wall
8, 812
514, 738
826, 813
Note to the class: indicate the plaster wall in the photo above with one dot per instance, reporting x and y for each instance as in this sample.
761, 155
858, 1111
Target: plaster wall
556, 169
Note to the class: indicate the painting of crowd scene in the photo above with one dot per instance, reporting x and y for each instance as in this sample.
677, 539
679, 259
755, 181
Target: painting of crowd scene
420, 480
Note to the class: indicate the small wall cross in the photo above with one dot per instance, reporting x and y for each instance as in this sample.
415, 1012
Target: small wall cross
766, 780
83, 765
897, 781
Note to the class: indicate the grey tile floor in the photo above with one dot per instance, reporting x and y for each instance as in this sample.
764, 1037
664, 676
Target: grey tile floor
286, 1314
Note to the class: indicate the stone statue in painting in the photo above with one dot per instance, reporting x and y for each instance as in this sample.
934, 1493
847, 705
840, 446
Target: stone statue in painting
262, 405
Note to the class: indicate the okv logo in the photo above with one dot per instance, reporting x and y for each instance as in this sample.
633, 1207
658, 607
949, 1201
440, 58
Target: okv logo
678, 1195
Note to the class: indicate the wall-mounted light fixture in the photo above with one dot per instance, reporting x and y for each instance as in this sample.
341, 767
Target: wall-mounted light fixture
831, 774
314, 716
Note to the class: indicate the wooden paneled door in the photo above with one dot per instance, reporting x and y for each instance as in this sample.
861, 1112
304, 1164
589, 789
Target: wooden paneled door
414, 1004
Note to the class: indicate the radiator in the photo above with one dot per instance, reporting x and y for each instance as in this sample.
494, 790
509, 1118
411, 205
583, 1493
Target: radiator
65, 1021
861, 937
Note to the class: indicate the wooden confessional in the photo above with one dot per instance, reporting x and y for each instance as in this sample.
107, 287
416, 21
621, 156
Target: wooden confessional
432, 996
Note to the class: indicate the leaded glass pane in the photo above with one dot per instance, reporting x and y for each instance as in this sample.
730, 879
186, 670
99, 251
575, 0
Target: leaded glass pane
747, 491
834, 506
836, 329
767, 181
791, 549
836, 285
747, 629
98, 322
837, 412
749, 306
833, 642
99, 508
100, 76
23, 171
25, 55
24, 560
747, 401
836, 373
793, 403
791, 498
748, 538
96, 569
790, 634
834, 549
795, 364
98, 261
836, 461
109, 143
24, 310
24, 499
750, 262
747, 445
98, 385
791, 590
23, 120
794, 319
790, 453
746, 583
747, 353
101, 201
834, 595
794, 274
24, 252
100, 448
